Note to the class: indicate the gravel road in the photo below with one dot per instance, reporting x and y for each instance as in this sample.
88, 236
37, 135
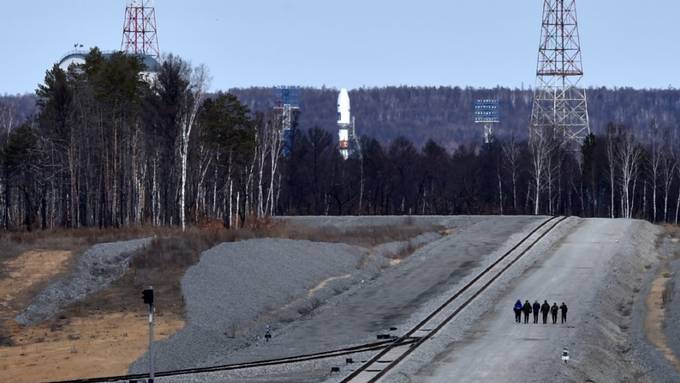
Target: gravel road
599, 267
396, 297
94, 271
581, 269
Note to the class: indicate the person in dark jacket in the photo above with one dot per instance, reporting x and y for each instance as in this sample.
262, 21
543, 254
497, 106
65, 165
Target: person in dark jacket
553, 312
535, 310
268, 333
518, 311
527, 310
563, 310
545, 309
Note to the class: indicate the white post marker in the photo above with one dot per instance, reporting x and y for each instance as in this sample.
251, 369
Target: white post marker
147, 297
152, 366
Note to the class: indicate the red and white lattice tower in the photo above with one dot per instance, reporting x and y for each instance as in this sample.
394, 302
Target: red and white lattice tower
560, 106
139, 30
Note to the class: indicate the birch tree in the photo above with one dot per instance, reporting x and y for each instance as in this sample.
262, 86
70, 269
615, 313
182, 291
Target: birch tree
628, 155
654, 164
511, 153
669, 165
611, 143
198, 84
540, 153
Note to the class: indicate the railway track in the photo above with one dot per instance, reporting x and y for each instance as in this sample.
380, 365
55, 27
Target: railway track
239, 366
393, 351
389, 357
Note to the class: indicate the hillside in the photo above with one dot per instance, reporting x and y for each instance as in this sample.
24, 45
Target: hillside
443, 114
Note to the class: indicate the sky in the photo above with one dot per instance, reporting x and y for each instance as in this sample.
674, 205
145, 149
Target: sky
353, 43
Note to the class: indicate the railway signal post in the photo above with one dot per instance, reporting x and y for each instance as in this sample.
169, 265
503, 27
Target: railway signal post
147, 296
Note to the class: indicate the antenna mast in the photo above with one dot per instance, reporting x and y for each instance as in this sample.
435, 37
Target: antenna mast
560, 106
140, 35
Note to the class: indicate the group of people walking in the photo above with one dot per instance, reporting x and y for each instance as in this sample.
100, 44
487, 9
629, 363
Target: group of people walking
544, 309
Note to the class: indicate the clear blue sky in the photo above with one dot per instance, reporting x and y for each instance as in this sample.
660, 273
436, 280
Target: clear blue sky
353, 43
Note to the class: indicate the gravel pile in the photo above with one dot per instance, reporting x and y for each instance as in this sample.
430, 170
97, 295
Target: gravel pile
351, 223
372, 305
239, 288
94, 270
650, 363
606, 332
400, 248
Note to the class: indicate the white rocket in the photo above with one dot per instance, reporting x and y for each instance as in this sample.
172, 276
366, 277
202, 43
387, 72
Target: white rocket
344, 122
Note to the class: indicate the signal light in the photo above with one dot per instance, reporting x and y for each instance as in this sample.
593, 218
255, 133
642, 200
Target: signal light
147, 296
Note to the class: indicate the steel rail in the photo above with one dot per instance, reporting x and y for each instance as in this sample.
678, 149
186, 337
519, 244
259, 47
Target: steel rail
420, 340
237, 366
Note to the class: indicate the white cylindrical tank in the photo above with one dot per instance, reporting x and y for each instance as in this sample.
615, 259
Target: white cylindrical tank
344, 117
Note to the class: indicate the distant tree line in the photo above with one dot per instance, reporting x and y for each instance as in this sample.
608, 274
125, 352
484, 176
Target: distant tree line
108, 147
611, 175
445, 114
442, 114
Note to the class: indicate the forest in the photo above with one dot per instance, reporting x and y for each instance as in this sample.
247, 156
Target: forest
106, 147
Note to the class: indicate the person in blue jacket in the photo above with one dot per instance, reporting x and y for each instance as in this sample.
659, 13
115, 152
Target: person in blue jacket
518, 311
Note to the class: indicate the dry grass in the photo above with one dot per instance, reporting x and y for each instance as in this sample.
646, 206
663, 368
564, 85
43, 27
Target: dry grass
366, 236
162, 264
26, 275
99, 345
672, 230
172, 252
14, 244
673, 235
655, 317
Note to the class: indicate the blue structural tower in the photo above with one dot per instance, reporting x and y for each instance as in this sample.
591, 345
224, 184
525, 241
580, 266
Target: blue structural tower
287, 108
487, 113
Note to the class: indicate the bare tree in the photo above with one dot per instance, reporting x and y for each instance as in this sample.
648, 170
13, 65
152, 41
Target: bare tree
275, 148
511, 152
7, 116
540, 147
611, 168
669, 165
628, 154
198, 84
654, 163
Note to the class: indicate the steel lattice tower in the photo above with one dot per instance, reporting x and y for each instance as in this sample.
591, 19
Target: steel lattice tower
287, 109
139, 30
560, 106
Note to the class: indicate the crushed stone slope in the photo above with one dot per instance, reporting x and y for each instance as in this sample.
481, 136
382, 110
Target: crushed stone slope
94, 271
594, 269
391, 298
238, 288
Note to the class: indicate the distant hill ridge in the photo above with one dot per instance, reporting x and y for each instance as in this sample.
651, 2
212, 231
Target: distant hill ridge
444, 114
